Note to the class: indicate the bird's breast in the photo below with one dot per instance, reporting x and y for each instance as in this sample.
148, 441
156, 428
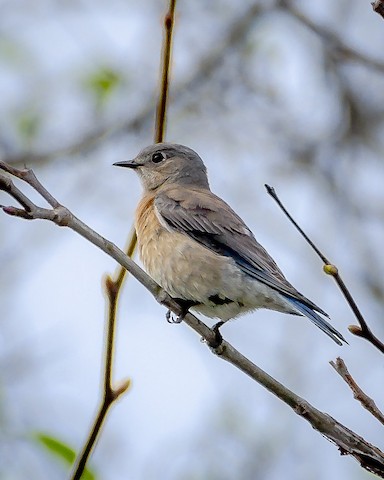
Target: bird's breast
149, 233
178, 263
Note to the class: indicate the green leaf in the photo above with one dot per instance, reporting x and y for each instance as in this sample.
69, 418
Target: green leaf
63, 451
102, 83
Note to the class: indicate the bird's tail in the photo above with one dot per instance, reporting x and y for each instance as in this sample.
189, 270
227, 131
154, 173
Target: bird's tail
317, 320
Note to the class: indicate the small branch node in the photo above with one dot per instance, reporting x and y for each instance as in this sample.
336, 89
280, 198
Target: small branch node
356, 330
61, 216
111, 288
302, 408
16, 212
331, 269
25, 174
168, 21
121, 388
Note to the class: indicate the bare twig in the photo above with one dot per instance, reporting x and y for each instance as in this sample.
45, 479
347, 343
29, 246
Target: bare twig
330, 269
367, 402
378, 7
113, 285
110, 393
348, 442
160, 123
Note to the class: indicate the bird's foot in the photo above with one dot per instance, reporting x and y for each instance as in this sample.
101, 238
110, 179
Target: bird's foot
172, 318
218, 340
185, 306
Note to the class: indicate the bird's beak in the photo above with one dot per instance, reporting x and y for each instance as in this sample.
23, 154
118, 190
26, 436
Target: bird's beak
128, 164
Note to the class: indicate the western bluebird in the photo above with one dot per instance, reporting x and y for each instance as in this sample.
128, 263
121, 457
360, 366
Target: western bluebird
199, 250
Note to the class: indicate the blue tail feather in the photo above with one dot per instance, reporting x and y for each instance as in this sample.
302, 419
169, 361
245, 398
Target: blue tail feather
317, 320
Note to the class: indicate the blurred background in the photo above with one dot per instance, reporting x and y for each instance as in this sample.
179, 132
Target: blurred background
285, 93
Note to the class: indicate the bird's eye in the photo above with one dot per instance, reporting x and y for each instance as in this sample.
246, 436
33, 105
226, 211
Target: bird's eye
158, 157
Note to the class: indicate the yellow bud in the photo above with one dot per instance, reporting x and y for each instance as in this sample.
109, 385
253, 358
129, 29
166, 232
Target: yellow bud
330, 269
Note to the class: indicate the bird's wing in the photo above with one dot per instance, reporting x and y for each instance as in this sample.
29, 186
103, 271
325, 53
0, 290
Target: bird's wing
206, 218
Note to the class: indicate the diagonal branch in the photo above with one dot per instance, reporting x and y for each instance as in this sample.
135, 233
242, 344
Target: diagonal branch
330, 269
367, 402
347, 441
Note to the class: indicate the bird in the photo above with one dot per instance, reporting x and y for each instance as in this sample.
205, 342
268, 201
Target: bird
194, 245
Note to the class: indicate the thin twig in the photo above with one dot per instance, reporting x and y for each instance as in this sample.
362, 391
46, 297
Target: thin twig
348, 442
28, 176
367, 402
114, 285
160, 123
110, 393
330, 269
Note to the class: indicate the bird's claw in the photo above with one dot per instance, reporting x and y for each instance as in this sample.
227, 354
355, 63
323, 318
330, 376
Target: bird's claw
218, 337
185, 306
174, 319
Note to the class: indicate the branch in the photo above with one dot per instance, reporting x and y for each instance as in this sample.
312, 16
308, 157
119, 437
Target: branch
160, 124
367, 402
348, 442
111, 394
330, 269
378, 7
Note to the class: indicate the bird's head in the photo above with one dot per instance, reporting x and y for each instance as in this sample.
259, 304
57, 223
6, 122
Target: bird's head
168, 163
